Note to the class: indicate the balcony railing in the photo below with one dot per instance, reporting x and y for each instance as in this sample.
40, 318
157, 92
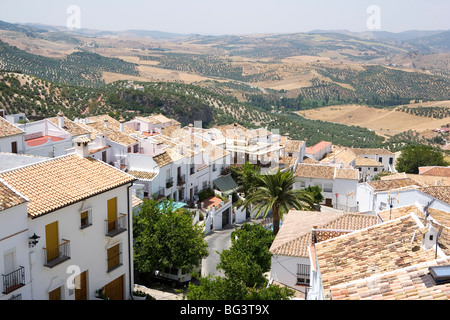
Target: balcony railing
55, 256
13, 280
169, 183
181, 180
117, 226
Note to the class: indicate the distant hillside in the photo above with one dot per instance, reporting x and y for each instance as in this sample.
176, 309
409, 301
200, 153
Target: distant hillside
79, 68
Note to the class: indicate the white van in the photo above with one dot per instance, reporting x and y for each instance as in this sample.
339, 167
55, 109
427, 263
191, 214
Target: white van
177, 275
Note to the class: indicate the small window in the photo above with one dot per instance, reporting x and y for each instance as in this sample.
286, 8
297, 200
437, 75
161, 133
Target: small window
114, 257
85, 219
440, 274
303, 274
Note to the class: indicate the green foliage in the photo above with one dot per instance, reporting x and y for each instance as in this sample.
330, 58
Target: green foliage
316, 193
249, 256
166, 238
78, 68
244, 264
246, 177
275, 192
415, 156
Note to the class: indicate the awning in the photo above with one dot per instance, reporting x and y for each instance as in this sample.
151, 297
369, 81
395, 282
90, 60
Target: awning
226, 185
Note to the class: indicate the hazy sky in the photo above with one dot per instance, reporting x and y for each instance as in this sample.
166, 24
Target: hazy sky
233, 16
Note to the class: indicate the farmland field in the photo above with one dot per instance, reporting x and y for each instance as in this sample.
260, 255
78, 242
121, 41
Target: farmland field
384, 122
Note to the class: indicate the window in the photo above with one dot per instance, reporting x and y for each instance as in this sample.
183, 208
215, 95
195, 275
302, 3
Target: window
380, 159
303, 275
391, 160
114, 257
375, 169
85, 219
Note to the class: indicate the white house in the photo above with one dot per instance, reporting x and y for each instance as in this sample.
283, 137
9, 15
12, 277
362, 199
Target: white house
339, 184
11, 137
383, 156
81, 209
319, 150
367, 193
14, 240
290, 259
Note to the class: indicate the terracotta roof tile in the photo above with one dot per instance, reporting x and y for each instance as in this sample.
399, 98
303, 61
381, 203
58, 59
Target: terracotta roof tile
53, 184
8, 129
441, 193
9, 198
368, 151
294, 236
375, 250
317, 147
380, 185
315, 171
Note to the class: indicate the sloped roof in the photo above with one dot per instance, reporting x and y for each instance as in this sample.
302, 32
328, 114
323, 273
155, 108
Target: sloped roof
374, 250
380, 185
9, 198
439, 192
409, 283
294, 236
8, 129
315, 171
318, 147
372, 151
62, 181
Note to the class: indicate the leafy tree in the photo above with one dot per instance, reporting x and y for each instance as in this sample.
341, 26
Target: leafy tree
244, 264
165, 237
246, 177
275, 191
248, 257
416, 156
316, 192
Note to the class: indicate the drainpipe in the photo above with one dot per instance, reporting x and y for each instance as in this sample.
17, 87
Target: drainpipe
129, 242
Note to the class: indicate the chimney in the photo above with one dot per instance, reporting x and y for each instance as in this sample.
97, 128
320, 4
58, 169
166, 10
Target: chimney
61, 119
106, 123
195, 148
191, 127
122, 123
235, 127
82, 147
314, 235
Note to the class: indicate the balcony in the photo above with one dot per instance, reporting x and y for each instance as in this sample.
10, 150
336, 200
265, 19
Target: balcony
55, 256
113, 228
169, 183
14, 280
181, 180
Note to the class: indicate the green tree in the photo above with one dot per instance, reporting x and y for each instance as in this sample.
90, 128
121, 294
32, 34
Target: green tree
244, 265
316, 193
275, 191
165, 237
415, 156
246, 177
248, 257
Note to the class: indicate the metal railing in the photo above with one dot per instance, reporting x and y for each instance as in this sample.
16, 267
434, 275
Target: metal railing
116, 226
13, 280
181, 180
169, 183
303, 274
55, 256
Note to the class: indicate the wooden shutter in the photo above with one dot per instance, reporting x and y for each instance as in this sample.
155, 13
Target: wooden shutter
51, 240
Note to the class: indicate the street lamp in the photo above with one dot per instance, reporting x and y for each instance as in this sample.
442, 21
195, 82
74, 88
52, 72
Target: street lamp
33, 240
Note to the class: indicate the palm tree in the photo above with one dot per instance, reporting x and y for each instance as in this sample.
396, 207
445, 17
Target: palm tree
275, 191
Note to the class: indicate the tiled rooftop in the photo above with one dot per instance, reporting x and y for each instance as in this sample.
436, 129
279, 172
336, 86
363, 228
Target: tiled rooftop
317, 147
368, 151
9, 198
62, 181
71, 127
294, 236
409, 283
380, 185
441, 193
325, 172
372, 251
8, 129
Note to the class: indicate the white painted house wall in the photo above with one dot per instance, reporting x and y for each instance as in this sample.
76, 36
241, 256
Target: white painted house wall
14, 234
88, 247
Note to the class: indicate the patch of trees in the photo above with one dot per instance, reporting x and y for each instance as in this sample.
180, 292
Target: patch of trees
78, 68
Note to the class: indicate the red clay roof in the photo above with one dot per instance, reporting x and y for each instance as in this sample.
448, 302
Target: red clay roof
317, 147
